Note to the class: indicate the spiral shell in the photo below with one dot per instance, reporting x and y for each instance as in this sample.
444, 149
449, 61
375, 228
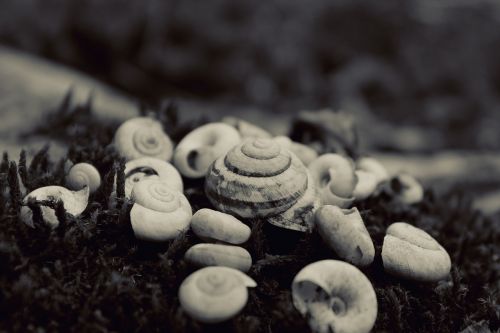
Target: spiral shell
335, 297
74, 203
344, 231
151, 168
246, 129
412, 253
335, 179
81, 175
215, 294
202, 146
219, 255
406, 189
259, 178
159, 212
140, 137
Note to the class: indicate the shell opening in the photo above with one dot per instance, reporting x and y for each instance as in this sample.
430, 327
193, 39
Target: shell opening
200, 159
338, 306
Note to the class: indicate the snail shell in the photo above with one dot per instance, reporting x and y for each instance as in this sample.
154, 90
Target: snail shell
334, 178
219, 255
211, 225
246, 129
142, 136
151, 168
259, 178
406, 189
215, 294
366, 185
412, 253
202, 146
159, 212
74, 203
373, 166
335, 296
344, 231
81, 175
305, 153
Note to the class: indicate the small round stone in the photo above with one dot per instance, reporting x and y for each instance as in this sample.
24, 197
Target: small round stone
219, 255
211, 225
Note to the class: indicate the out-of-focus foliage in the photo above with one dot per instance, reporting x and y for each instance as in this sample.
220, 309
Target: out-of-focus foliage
424, 62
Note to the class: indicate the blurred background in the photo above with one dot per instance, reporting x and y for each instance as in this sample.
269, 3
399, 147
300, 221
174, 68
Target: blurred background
420, 77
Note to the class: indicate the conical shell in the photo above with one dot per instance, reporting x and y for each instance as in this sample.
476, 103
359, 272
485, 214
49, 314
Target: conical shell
257, 178
202, 146
141, 137
215, 294
159, 212
81, 175
300, 217
74, 203
335, 296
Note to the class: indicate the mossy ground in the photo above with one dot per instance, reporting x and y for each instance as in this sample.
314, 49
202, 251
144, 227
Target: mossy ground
91, 274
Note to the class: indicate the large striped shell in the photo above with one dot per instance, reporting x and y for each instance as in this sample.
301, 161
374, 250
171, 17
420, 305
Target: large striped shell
259, 178
142, 136
159, 212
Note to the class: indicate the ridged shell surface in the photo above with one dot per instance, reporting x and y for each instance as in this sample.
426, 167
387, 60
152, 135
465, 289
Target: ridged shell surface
257, 178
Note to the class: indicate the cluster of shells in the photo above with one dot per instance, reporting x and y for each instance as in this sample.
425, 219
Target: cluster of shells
251, 174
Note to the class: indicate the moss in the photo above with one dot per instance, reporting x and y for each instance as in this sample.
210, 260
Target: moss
91, 274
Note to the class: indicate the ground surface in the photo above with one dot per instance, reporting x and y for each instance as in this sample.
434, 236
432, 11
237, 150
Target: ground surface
90, 274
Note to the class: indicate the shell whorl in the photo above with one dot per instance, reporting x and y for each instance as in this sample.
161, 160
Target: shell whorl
214, 283
143, 136
257, 178
156, 195
81, 175
215, 294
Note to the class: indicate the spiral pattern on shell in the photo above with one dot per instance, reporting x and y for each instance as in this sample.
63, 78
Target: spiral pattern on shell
155, 195
214, 294
159, 213
140, 137
257, 178
81, 175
